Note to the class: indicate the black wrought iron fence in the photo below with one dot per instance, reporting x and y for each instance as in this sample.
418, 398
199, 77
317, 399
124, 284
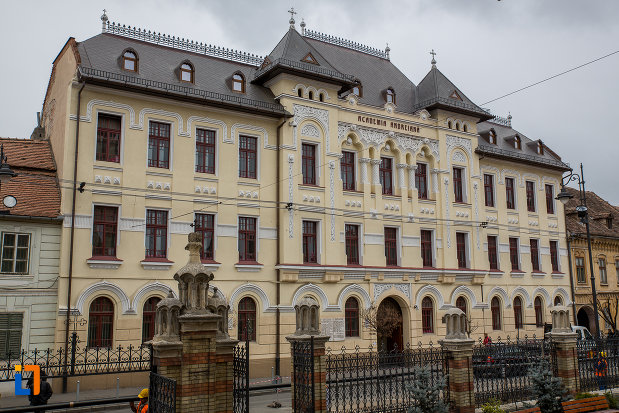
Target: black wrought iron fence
240, 379
598, 363
501, 368
369, 380
80, 361
161, 394
303, 376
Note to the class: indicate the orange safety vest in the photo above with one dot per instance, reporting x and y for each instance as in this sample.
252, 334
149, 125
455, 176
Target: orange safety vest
142, 408
601, 368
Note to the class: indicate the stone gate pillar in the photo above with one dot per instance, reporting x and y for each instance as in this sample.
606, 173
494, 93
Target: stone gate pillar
308, 329
191, 343
564, 346
459, 358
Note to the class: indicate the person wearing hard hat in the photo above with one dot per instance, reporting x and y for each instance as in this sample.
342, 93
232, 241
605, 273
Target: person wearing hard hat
142, 405
601, 370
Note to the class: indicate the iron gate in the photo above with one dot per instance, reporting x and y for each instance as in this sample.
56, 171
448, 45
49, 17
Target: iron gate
598, 363
161, 394
240, 380
303, 376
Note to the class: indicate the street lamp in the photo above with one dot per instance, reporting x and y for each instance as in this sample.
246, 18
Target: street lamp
583, 214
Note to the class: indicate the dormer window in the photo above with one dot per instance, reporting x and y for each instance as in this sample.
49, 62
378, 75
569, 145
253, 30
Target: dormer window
492, 137
310, 95
321, 97
517, 142
186, 72
609, 222
449, 125
238, 83
540, 148
130, 61
357, 90
465, 128
390, 96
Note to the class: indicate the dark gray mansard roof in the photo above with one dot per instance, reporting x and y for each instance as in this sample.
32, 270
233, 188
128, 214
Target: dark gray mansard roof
505, 149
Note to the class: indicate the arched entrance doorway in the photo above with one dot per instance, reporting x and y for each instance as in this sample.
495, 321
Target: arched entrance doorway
390, 326
584, 317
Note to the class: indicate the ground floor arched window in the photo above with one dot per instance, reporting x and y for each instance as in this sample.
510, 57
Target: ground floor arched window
539, 312
461, 304
148, 318
495, 308
101, 323
518, 313
427, 315
352, 317
247, 319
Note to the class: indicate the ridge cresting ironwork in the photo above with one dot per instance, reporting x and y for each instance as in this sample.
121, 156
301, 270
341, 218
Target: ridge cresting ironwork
181, 43
338, 41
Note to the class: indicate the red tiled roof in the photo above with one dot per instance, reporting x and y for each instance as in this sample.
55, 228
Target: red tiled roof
36, 185
599, 211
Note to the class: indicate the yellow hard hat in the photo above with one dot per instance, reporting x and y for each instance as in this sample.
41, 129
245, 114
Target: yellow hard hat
143, 394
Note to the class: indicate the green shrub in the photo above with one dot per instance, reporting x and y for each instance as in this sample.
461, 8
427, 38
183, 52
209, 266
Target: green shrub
547, 390
427, 396
613, 403
493, 406
580, 396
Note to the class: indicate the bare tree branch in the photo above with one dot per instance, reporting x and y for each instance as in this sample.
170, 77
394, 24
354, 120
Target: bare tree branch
382, 323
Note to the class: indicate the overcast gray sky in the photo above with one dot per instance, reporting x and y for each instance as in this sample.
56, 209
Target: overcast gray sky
486, 47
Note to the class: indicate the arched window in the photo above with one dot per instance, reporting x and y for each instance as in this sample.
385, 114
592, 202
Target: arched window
465, 128
492, 137
427, 315
457, 125
238, 83
352, 317
461, 304
321, 97
187, 72
100, 323
310, 95
390, 96
247, 319
558, 300
518, 312
300, 92
148, 318
539, 312
130, 61
517, 142
449, 125
495, 308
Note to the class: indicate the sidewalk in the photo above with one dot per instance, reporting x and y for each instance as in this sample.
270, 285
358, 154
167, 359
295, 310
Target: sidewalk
59, 397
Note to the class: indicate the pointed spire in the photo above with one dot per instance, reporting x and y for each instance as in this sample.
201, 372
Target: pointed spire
433, 53
104, 20
292, 13
302, 26
509, 119
387, 50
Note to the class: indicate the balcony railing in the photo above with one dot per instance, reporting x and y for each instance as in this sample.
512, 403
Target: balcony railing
338, 41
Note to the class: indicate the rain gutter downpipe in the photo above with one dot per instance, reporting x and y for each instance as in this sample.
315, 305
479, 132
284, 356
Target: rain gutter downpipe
72, 238
277, 257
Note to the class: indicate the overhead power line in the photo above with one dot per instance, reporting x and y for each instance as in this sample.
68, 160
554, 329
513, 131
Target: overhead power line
551, 77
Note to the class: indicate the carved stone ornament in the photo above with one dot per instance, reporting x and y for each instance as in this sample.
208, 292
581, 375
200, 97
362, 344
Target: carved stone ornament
308, 317
560, 320
166, 320
455, 322
193, 279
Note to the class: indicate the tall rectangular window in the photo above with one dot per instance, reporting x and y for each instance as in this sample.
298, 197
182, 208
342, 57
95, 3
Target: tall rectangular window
386, 175
603, 275
308, 164
391, 246
104, 231
489, 189
205, 226
156, 233
310, 245
352, 244
426, 248
530, 188
554, 255
534, 254
493, 258
108, 138
457, 178
461, 249
581, 276
550, 199
15, 253
11, 325
158, 145
514, 256
205, 151
509, 193
347, 169
421, 180
247, 239
248, 157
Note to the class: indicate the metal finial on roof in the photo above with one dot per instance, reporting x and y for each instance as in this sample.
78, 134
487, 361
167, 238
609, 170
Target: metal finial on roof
433, 53
292, 13
509, 119
104, 19
303, 26
387, 50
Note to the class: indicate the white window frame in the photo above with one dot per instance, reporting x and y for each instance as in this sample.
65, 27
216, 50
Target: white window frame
355, 166
215, 222
467, 247
168, 234
393, 172
361, 241
257, 217
519, 254
171, 159
465, 192
535, 197
515, 179
433, 249
428, 180
195, 149
122, 136
319, 242
14, 258
258, 156
554, 204
539, 255
398, 243
317, 160
494, 190
92, 226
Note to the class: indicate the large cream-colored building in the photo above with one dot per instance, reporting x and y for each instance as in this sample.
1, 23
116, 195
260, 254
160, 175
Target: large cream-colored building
318, 170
